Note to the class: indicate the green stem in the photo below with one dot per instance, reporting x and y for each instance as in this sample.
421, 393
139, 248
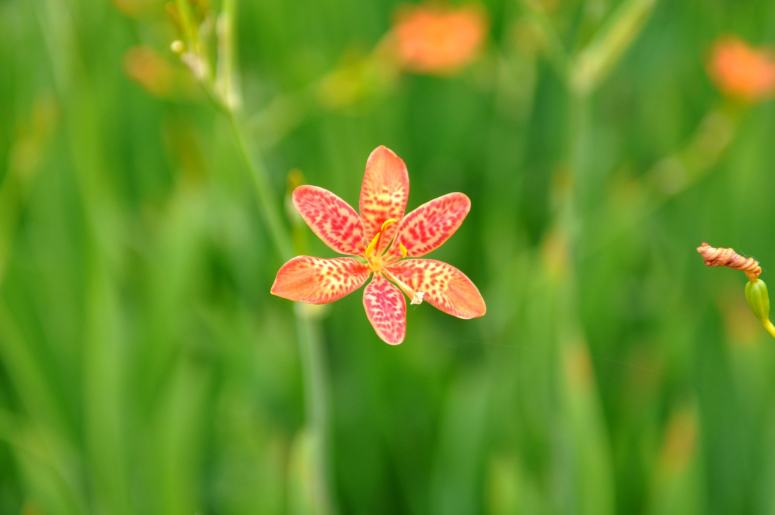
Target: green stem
225, 77
769, 327
316, 395
226, 97
571, 218
584, 443
267, 204
310, 341
187, 24
555, 49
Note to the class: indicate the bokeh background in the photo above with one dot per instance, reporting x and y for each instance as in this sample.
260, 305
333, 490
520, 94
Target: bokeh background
144, 367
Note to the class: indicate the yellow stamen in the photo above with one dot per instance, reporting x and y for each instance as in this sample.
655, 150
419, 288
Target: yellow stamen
387, 223
375, 241
370, 249
403, 250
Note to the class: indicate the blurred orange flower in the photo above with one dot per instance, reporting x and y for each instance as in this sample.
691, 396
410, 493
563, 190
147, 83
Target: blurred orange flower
438, 40
742, 71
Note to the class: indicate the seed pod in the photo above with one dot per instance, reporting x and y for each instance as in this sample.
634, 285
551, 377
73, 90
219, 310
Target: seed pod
758, 298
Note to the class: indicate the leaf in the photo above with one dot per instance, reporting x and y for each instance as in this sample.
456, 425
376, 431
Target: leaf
603, 53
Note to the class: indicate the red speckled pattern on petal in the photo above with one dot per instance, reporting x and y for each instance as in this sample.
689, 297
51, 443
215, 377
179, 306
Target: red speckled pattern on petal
385, 307
331, 218
427, 228
445, 287
384, 193
318, 280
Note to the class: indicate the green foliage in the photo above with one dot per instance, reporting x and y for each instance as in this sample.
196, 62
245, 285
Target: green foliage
144, 367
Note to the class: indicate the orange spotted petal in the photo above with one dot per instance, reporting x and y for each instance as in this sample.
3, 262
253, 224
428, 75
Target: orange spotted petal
444, 286
317, 280
426, 228
384, 193
330, 218
385, 307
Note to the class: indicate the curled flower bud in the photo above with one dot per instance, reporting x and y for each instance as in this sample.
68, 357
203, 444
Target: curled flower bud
758, 299
729, 258
755, 289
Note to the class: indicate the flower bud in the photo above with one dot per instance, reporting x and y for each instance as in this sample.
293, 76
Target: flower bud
758, 299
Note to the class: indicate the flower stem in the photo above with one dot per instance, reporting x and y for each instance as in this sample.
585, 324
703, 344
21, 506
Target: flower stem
316, 395
222, 91
267, 204
310, 341
769, 327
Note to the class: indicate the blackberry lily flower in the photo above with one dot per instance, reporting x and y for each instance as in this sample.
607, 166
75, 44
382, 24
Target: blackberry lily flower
380, 242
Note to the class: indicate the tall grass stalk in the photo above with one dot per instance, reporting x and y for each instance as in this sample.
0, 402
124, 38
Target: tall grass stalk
310, 341
308, 332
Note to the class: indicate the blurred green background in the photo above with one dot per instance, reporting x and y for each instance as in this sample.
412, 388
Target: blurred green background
144, 367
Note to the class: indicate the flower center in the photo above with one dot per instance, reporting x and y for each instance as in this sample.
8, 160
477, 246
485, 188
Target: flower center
374, 258
377, 260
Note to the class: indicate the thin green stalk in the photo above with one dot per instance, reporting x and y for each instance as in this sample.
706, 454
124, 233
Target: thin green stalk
555, 49
187, 24
310, 341
581, 445
222, 92
316, 400
225, 82
259, 177
769, 327
570, 217
105, 462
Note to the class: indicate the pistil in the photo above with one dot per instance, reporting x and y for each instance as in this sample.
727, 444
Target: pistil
416, 297
377, 263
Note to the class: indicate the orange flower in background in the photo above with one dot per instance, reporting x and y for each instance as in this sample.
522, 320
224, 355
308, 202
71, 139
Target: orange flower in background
377, 241
742, 71
438, 40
